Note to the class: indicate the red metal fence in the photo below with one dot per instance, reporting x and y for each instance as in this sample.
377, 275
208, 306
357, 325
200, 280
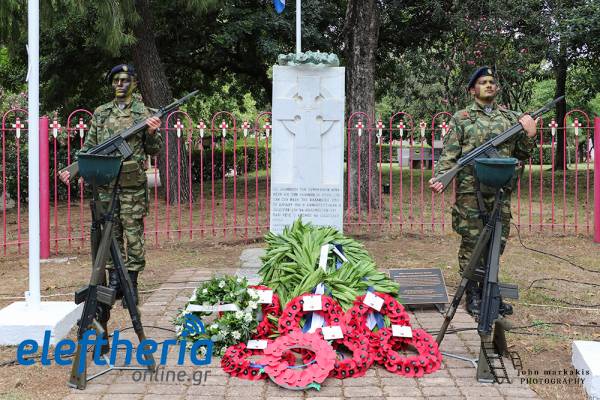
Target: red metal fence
228, 177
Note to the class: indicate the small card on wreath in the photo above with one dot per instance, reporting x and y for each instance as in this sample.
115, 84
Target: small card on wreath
332, 332
323, 256
264, 296
373, 301
212, 308
257, 344
402, 331
312, 303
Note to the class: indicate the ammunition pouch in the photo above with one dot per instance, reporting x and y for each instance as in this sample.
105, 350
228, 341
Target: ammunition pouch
132, 174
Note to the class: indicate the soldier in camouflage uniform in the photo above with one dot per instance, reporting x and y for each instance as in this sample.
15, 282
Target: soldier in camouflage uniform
470, 128
108, 119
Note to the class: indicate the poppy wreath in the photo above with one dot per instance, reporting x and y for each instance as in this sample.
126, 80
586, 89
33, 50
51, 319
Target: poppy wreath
278, 367
361, 360
427, 360
266, 327
236, 362
356, 316
292, 314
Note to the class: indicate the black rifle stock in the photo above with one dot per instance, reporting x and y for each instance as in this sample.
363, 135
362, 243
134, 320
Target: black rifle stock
488, 149
117, 143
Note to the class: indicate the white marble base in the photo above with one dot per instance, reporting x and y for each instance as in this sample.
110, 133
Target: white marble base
586, 359
20, 321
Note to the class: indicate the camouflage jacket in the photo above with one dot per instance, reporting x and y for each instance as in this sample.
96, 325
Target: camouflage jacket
108, 120
470, 128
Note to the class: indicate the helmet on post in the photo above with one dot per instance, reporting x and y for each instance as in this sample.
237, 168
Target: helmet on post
495, 172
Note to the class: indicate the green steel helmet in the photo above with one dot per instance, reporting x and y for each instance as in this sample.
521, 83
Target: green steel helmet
495, 172
98, 168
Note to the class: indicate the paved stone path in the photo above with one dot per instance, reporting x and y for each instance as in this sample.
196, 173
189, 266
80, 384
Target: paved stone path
455, 380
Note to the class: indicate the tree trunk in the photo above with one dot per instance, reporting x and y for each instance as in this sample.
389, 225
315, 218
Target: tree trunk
560, 71
361, 37
156, 92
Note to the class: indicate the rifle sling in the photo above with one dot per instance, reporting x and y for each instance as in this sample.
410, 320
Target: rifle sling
483, 214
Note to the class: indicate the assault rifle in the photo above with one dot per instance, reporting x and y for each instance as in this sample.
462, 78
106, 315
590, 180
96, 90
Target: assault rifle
98, 298
489, 148
483, 268
117, 143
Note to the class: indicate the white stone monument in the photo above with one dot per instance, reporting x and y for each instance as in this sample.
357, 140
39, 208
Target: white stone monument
307, 174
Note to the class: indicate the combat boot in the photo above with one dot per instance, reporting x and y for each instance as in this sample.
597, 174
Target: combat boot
133, 277
473, 301
113, 283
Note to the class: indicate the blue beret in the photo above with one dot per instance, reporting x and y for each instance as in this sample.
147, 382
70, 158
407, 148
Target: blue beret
479, 72
128, 68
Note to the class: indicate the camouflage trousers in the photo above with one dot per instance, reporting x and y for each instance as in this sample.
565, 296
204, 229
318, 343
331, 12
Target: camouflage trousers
128, 227
468, 224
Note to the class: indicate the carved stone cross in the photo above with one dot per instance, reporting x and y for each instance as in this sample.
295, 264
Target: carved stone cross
308, 114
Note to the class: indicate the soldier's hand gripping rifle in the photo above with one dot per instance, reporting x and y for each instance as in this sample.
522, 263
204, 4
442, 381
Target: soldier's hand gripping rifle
117, 143
489, 148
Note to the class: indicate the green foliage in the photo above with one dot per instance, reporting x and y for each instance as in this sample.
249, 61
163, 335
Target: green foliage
207, 155
225, 97
426, 50
291, 265
542, 91
594, 104
547, 154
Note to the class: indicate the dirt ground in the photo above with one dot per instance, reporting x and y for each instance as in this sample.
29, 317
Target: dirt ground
545, 345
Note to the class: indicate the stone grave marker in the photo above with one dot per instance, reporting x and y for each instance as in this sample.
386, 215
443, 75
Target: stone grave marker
307, 175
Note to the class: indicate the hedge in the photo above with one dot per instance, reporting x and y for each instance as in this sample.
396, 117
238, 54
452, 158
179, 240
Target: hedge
207, 158
547, 153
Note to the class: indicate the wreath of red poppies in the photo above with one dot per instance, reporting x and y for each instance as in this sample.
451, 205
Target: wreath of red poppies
236, 361
387, 347
356, 316
278, 367
294, 312
361, 359
319, 356
265, 327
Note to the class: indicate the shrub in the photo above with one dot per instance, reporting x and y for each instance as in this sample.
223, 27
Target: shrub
207, 159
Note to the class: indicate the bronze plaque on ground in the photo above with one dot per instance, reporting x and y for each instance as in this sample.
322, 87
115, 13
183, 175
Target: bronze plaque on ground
420, 285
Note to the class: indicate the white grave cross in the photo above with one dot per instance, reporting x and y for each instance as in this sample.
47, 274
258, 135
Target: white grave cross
401, 129
576, 125
224, 127
245, 127
55, 128
444, 127
18, 126
201, 127
178, 127
422, 125
553, 125
81, 126
379, 131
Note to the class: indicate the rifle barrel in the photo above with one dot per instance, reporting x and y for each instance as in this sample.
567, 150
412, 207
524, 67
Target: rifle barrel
468, 158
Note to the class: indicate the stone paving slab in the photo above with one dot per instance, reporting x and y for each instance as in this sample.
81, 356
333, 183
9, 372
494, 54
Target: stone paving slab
455, 379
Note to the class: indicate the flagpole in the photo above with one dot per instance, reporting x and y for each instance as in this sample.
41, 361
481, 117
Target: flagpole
298, 26
33, 86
